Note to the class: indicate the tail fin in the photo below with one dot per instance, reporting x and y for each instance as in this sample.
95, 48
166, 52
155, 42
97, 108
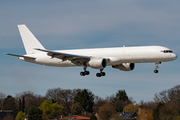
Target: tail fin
29, 40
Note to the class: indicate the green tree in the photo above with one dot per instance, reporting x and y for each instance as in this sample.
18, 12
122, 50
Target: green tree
19, 104
31, 100
156, 111
35, 114
23, 105
64, 97
121, 95
76, 109
120, 100
9, 103
20, 116
50, 110
86, 99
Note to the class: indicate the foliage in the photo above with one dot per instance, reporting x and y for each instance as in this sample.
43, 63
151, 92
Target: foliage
166, 104
121, 95
168, 111
171, 100
2, 97
64, 97
19, 105
93, 117
177, 118
148, 105
117, 117
145, 115
23, 105
98, 102
86, 99
131, 108
9, 103
120, 100
119, 105
35, 114
50, 110
20, 116
76, 109
106, 111
31, 100
26, 111
156, 111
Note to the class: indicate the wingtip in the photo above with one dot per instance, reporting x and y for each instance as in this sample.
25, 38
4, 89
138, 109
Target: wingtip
6, 53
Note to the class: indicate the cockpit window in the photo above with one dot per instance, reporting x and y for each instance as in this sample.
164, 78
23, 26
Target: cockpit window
167, 51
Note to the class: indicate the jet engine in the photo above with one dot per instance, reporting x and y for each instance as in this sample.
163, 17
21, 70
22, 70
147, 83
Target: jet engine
97, 63
125, 66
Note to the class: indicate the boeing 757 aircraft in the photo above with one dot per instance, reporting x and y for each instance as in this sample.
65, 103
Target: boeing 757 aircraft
122, 58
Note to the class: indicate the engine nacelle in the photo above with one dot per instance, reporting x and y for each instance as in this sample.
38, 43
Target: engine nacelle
125, 66
97, 63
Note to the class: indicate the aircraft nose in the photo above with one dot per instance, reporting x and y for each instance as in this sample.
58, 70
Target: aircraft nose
174, 56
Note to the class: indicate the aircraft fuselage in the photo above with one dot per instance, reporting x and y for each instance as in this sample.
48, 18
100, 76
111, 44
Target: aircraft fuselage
115, 56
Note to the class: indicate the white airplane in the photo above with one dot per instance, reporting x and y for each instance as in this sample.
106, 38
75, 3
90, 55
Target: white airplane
122, 58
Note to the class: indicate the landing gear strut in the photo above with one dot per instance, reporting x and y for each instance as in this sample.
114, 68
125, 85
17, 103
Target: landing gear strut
101, 73
85, 72
157, 66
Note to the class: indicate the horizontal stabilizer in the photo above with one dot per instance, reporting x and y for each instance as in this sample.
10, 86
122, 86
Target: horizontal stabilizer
20, 56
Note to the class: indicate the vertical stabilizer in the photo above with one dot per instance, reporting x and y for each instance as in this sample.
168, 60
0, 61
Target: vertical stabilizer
29, 40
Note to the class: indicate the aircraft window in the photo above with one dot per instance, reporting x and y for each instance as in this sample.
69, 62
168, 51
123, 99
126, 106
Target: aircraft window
167, 51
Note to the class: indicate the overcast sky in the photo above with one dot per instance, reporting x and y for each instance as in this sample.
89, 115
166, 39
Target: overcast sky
70, 24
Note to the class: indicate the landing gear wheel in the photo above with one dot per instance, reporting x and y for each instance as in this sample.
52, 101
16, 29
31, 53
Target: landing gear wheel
87, 72
156, 71
82, 73
98, 75
103, 73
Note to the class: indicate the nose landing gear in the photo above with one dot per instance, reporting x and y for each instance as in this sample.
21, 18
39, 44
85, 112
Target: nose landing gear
157, 66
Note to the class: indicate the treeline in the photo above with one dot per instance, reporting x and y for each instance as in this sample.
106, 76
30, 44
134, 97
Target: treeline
57, 101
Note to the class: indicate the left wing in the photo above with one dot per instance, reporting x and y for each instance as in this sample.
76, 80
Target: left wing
76, 59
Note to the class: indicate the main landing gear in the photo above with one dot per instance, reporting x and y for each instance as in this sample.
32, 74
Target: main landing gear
85, 72
157, 66
101, 73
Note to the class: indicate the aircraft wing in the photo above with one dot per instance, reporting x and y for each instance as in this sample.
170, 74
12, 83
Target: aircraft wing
76, 59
